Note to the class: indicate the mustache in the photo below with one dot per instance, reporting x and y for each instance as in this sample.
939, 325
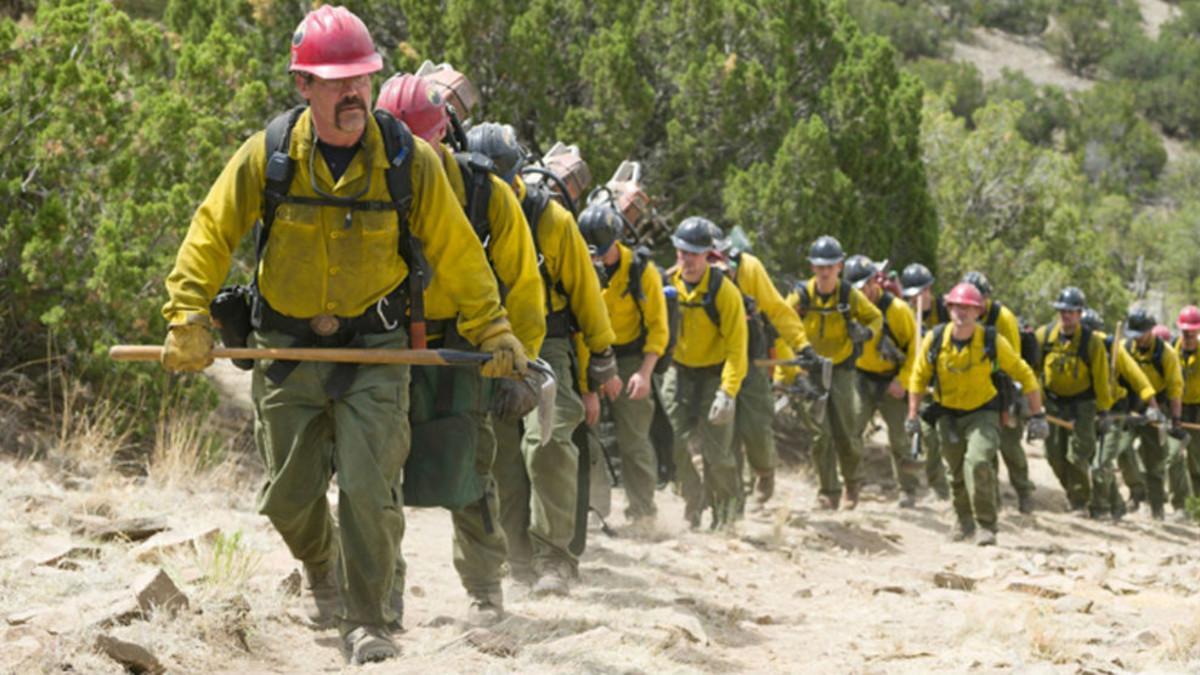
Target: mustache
350, 104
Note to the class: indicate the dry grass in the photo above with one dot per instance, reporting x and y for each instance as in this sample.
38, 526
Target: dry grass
1183, 641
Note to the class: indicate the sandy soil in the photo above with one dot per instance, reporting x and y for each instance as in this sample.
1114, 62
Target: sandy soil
792, 589
993, 51
1155, 13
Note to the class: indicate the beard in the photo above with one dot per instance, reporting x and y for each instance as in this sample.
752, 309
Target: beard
350, 115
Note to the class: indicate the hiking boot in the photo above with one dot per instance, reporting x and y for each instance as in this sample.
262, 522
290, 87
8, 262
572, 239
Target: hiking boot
827, 502
1158, 512
552, 581
764, 487
321, 601
1097, 513
1118, 510
486, 609
908, 500
1025, 503
851, 495
963, 530
396, 602
942, 491
369, 644
985, 537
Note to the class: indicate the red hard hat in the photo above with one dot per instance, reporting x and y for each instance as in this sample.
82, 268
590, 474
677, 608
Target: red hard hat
1162, 331
332, 43
416, 104
1189, 318
965, 294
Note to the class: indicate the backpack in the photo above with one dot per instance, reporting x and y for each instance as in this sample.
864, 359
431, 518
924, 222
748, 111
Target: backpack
642, 257
993, 314
477, 170
533, 206
1085, 342
1156, 357
843, 304
885, 332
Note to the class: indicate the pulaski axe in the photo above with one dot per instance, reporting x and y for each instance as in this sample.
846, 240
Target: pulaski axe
541, 376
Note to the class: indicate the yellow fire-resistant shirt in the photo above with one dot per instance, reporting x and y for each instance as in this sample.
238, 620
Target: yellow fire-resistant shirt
965, 373
1064, 374
314, 264
631, 319
513, 258
568, 263
752, 279
902, 326
1171, 379
1189, 362
702, 343
823, 323
1128, 371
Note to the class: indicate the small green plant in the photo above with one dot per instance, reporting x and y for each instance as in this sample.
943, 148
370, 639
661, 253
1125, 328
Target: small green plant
1192, 508
228, 563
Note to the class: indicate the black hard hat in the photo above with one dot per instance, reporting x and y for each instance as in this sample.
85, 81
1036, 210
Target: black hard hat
979, 281
498, 142
720, 241
859, 270
1070, 299
914, 279
1091, 319
694, 235
600, 225
1138, 322
826, 251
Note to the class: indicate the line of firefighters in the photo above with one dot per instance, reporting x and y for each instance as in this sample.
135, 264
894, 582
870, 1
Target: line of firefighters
380, 235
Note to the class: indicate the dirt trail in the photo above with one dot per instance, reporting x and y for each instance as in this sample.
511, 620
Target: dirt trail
993, 52
792, 589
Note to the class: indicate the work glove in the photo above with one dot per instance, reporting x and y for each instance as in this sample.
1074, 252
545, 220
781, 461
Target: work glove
189, 346
912, 426
1155, 415
1037, 429
508, 355
723, 408
1104, 423
858, 332
602, 367
889, 351
1177, 431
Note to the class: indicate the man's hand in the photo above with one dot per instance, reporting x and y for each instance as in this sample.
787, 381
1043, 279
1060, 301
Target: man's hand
1037, 428
189, 346
508, 356
912, 426
638, 386
611, 388
723, 409
1155, 415
896, 390
591, 408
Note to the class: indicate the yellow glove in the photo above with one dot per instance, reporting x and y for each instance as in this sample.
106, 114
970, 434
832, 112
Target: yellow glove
189, 346
508, 355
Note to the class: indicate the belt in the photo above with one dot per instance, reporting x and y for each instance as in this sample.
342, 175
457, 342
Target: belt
701, 370
558, 324
877, 377
635, 348
1089, 395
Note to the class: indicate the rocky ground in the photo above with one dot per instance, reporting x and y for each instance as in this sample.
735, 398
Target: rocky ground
872, 590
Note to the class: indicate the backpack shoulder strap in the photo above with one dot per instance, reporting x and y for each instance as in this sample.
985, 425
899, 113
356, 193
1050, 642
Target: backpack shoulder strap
804, 297
993, 313
844, 302
989, 346
637, 267
398, 146
279, 171
935, 344
716, 276
1157, 358
1085, 345
477, 173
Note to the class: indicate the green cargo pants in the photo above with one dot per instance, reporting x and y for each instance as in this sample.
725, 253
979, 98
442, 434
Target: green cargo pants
1176, 467
694, 390
1070, 454
1014, 457
1191, 413
305, 437
1130, 465
838, 442
873, 396
639, 464
754, 430
969, 445
538, 484
1152, 450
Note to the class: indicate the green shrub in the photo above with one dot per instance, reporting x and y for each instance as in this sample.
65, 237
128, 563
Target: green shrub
1118, 150
958, 80
913, 29
1046, 109
1023, 17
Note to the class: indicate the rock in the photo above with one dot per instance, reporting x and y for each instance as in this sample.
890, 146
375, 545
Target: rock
1038, 590
803, 593
502, 645
1073, 604
954, 582
686, 624
134, 657
897, 590
156, 590
128, 529
24, 616
1118, 587
765, 620
1149, 638
165, 544
416, 591
291, 584
64, 555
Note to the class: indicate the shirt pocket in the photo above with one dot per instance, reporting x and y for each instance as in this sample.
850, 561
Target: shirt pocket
379, 237
295, 237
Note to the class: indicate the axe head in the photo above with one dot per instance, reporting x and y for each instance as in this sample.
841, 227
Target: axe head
542, 376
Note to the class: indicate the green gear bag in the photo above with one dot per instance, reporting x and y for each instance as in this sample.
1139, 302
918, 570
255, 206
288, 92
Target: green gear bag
446, 403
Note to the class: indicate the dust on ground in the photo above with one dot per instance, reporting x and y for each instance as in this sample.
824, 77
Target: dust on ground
871, 590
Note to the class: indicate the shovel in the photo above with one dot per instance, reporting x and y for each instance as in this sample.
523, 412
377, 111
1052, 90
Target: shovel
547, 388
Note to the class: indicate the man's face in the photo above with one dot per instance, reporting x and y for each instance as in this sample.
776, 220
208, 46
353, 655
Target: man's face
1189, 337
609, 257
1068, 319
692, 264
827, 274
872, 289
1145, 339
964, 315
339, 107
